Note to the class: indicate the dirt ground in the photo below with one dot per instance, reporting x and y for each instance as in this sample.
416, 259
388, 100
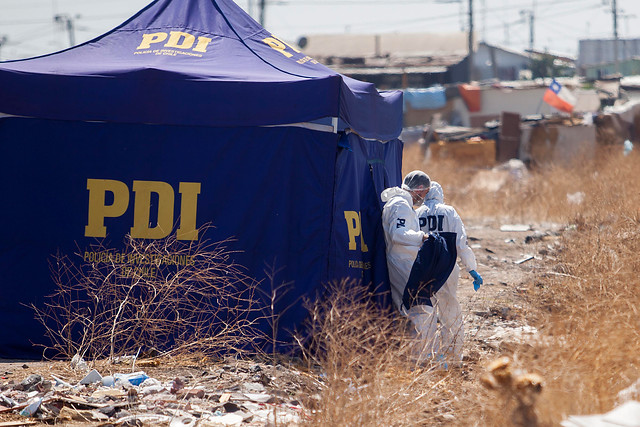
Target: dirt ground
509, 256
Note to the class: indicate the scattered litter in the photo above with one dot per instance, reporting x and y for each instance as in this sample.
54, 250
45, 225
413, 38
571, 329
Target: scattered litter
17, 423
148, 363
111, 392
258, 397
144, 419
91, 377
476, 246
240, 396
575, 198
78, 363
183, 422
70, 414
626, 415
29, 383
628, 147
135, 378
8, 401
525, 259
515, 227
61, 382
108, 381
505, 334
538, 236
509, 240
32, 407
222, 420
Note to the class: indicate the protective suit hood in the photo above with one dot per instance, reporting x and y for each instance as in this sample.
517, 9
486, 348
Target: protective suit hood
392, 192
435, 193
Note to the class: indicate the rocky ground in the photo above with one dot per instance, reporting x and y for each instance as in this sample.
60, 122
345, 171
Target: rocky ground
251, 393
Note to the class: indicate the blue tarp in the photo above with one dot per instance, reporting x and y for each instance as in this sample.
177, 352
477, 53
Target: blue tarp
430, 98
185, 92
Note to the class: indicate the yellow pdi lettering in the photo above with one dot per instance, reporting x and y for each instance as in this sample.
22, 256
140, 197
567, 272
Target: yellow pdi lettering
354, 228
151, 38
99, 210
189, 209
180, 40
280, 46
202, 44
142, 210
177, 40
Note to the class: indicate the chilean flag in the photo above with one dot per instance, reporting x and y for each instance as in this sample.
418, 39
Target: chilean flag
559, 97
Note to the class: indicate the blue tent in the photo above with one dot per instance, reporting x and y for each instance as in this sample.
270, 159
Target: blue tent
275, 150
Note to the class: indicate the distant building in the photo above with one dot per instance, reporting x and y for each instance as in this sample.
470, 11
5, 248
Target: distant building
492, 62
393, 60
402, 60
596, 57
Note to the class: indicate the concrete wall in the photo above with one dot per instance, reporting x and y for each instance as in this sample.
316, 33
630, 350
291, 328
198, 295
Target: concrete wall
495, 101
522, 101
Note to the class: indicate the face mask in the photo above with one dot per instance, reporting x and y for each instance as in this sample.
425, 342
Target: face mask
418, 199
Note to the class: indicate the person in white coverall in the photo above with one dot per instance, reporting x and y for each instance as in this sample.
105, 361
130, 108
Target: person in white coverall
437, 217
403, 239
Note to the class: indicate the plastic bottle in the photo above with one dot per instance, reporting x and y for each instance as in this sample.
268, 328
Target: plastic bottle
32, 407
135, 378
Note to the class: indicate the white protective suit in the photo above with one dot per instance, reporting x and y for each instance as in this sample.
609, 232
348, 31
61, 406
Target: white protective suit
403, 238
435, 216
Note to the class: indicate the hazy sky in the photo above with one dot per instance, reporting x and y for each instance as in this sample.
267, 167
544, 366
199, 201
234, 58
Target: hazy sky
30, 30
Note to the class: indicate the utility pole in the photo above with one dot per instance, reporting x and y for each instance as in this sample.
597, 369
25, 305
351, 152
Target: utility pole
3, 40
262, 11
614, 12
531, 30
67, 22
470, 48
484, 20
531, 26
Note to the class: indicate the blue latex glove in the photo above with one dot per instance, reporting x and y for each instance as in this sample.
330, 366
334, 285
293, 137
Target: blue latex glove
477, 280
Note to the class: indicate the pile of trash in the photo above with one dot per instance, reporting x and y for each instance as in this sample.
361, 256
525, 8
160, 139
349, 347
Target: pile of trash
227, 394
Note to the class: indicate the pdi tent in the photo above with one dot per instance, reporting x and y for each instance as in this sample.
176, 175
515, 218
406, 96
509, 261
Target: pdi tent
191, 113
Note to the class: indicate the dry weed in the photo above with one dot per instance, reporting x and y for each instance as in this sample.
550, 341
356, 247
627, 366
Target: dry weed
369, 373
588, 314
164, 294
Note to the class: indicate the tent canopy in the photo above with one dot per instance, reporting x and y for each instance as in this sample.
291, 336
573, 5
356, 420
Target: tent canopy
190, 94
193, 62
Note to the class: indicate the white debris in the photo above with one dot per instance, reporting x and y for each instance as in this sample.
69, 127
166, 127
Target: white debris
629, 393
575, 198
92, 377
518, 334
626, 415
515, 227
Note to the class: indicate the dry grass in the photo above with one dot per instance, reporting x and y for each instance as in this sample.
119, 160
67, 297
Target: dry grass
542, 195
369, 373
589, 345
